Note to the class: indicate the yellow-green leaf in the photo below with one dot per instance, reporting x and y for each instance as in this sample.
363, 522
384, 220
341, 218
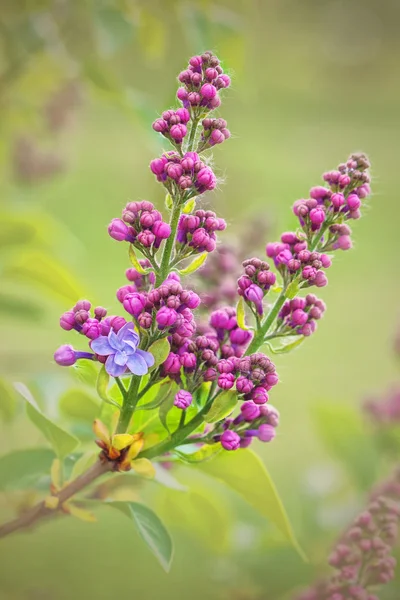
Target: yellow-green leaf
240, 314
56, 473
78, 404
189, 206
103, 380
169, 203
134, 260
244, 472
121, 440
143, 467
63, 442
23, 468
285, 345
292, 289
160, 350
195, 264
222, 406
86, 371
206, 453
81, 513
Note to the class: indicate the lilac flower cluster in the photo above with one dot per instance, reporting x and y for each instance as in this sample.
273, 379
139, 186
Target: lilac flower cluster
385, 410
173, 124
292, 258
253, 376
214, 132
255, 282
185, 173
79, 318
362, 558
165, 308
253, 421
140, 281
202, 80
198, 230
300, 315
141, 224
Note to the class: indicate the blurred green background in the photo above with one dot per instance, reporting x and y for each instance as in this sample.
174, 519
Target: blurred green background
312, 82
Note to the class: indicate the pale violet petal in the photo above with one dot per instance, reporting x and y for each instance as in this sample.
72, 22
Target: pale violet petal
101, 346
148, 357
114, 341
126, 330
113, 368
137, 365
120, 357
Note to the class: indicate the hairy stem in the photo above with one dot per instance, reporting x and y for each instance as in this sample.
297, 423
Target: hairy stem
41, 511
169, 244
192, 136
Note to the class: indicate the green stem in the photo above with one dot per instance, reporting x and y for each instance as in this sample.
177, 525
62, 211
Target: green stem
177, 437
192, 136
259, 336
121, 386
169, 244
130, 401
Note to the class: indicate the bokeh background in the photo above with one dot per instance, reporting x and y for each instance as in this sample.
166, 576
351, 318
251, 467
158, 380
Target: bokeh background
80, 84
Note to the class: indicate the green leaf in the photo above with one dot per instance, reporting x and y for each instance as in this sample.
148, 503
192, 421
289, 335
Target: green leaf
240, 314
163, 393
78, 404
150, 528
160, 350
63, 442
165, 407
8, 401
222, 406
169, 203
21, 468
86, 371
286, 344
345, 437
135, 262
195, 264
244, 472
103, 380
189, 206
292, 289
206, 453
42, 271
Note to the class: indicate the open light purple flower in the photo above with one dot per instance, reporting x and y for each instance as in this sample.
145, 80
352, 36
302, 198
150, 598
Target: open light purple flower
122, 351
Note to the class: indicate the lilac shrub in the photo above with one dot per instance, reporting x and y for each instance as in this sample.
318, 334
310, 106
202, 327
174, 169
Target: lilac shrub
207, 382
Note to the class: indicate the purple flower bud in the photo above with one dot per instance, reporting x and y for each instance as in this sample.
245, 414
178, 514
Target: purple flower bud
223, 81
134, 303
67, 320
166, 317
161, 230
178, 132
91, 328
157, 165
206, 178
317, 216
172, 364
183, 399
146, 238
320, 279
240, 337
100, 312
81, 316
299, 317
230, 440
259, 395
208, 91
266, 433
254, 294
82, 305
244, 385
182, 94
160, 126
343, 243
250, 411
337, 200
318, 192
353, 202
65, 356
173, 170
145, 320
216, 137
226, 381
118, 230
210, 374
188, 360
183, 114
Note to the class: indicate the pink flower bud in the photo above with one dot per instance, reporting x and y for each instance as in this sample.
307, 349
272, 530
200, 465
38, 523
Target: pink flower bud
161, 230
118, 230
178, 132
67, 320
208, 91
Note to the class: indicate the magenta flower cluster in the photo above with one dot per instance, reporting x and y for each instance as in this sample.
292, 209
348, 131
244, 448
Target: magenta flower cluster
214, 132
141, 224
300, 315
172, 124
362, 558
198, 230
202, 80
256, 282
253, 422
185, 173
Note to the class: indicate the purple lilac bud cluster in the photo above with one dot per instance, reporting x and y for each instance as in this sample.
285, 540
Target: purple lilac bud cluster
198, 230
167, 307
384, 410
292, 258
81, 320
342, 200
139, 281
141, 224
253, 422
255, 282
214, 132
172, 125
183, 174
300, 315
202, 79
362, 558
252, 375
